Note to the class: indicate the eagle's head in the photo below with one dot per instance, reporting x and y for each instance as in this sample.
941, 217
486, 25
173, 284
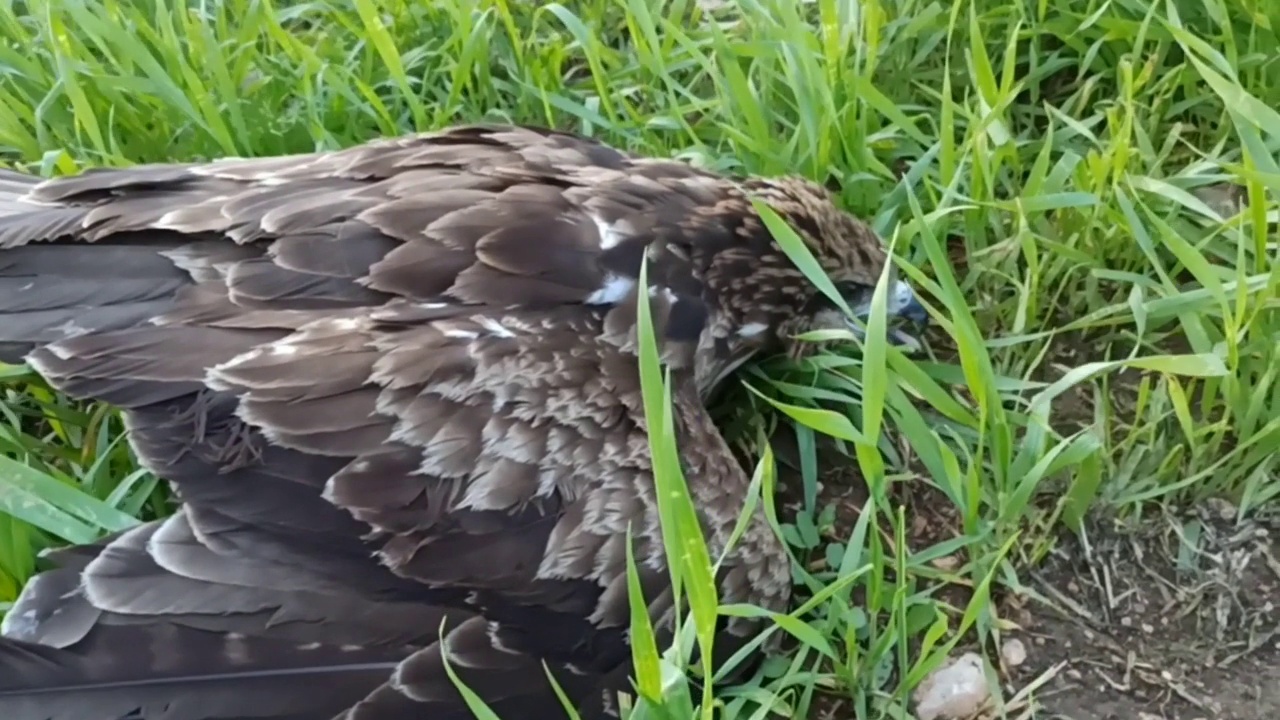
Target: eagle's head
763, 301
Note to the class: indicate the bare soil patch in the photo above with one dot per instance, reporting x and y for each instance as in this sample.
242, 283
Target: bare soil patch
1177, 620
1174, 618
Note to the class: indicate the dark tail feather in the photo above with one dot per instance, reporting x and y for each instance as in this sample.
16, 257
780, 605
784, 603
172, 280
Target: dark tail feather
51, 291
168, 672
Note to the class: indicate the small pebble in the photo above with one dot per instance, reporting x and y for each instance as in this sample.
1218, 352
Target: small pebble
946, 563
1222, 508
1013, 652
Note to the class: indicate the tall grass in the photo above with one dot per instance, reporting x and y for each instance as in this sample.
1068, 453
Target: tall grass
1049, 173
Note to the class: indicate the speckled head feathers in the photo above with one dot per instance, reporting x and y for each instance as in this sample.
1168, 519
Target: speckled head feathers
765, 300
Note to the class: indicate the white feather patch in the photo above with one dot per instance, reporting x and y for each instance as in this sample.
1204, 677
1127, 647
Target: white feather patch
494, 327
613, 291
609, 235
347, 323
212, 376
172, 220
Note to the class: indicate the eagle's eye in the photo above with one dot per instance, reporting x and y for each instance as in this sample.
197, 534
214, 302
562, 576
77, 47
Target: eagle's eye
856, 294
901, 305
901, 302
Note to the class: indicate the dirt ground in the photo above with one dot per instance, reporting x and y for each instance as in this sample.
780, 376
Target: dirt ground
1178, 619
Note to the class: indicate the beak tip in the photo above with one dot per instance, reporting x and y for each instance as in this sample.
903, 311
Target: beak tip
915, 312
908, 306
903, 305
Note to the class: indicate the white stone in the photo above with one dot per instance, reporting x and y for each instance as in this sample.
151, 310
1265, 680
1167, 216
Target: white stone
956, 690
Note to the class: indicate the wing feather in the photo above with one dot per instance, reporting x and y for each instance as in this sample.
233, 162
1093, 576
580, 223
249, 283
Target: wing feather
484, 216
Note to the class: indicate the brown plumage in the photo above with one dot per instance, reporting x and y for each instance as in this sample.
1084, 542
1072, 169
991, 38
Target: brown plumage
395, 388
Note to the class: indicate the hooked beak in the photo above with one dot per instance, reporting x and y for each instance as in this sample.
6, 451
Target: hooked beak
901, 305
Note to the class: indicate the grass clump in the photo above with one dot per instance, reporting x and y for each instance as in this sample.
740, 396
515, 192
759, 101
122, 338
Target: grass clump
1085, 192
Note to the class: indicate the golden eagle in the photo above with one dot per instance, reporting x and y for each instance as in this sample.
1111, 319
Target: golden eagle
395, 386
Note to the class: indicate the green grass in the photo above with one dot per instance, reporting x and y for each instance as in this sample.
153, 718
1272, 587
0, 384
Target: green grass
1108, 342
